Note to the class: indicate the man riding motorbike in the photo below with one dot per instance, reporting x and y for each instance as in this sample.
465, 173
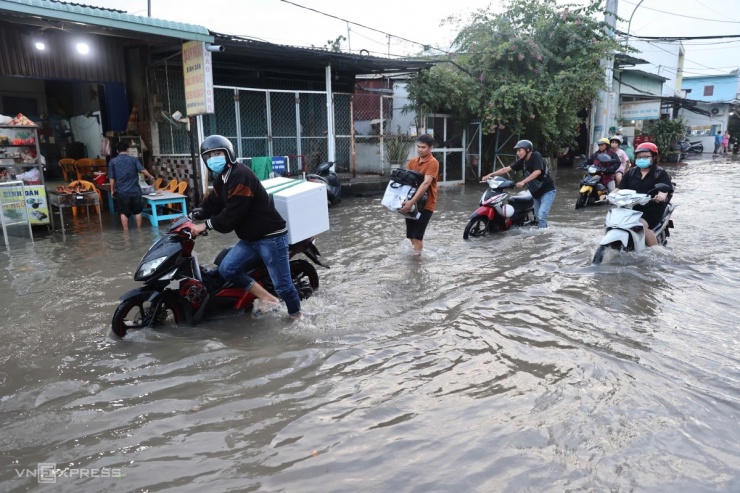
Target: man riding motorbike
610, 167
241, 204
642, 178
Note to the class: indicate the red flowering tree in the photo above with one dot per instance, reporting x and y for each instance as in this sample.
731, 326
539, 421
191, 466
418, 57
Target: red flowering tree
530, 69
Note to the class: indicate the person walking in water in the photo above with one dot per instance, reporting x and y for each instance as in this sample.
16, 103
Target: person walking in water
427, 165
123, 175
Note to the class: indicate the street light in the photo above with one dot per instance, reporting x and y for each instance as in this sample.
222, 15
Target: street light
629, 23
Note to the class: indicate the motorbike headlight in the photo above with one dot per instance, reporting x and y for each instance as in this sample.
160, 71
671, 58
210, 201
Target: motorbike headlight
148, 268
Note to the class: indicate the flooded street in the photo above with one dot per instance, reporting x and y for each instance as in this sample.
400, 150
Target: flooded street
500, 364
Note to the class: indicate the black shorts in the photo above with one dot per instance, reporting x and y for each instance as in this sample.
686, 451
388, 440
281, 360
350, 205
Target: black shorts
130, 206
652, 215
415, 228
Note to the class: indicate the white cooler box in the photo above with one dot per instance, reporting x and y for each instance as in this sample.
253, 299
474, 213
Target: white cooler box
302, 204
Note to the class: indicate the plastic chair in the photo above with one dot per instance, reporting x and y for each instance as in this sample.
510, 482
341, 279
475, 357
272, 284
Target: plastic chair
157, 184
88, 186
84, 168
68, 168
180, 189
170, 186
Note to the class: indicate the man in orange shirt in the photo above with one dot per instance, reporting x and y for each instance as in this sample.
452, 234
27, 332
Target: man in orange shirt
428, 166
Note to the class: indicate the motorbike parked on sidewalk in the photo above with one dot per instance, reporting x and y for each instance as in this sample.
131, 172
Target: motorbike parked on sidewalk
325, 175
500, 211
623, 229
177, 289
687, 147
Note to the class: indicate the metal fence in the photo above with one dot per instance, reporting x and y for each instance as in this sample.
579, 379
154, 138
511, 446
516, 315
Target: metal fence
167, 90
374, 131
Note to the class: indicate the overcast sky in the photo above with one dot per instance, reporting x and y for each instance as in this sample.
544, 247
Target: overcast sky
277, 21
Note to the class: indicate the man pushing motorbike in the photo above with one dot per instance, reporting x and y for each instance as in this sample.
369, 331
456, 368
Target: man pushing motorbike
241, 204
642, 178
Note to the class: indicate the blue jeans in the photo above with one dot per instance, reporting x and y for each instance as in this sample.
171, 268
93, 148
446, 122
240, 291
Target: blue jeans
273, 251
542, 207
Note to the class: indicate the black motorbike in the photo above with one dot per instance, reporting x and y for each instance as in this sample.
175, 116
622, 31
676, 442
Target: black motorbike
685, 147
325, 175
177, 289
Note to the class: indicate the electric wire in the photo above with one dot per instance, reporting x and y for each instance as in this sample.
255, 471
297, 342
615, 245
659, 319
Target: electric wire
681, 15
425, 45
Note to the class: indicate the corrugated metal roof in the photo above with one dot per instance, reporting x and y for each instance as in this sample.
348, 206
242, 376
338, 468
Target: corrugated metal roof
73, 12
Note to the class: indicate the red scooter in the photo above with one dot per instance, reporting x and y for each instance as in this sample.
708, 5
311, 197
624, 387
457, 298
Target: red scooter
495, 214
178, 290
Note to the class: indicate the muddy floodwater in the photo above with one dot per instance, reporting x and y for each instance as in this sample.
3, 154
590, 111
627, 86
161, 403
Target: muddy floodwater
500, 364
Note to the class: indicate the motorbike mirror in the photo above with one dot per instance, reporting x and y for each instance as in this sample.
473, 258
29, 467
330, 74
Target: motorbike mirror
604, 158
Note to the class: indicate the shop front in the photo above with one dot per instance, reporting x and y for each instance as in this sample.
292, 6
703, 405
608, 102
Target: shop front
78, 75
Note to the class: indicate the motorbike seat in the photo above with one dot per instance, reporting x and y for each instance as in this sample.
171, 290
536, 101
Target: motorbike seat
521, 198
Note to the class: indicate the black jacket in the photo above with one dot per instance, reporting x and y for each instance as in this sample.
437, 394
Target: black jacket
610, 167
239, 203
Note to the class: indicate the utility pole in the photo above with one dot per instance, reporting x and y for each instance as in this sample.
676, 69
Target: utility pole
604, 108
349, 41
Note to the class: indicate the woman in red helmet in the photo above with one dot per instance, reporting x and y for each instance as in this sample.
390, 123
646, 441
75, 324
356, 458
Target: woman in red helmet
642, 178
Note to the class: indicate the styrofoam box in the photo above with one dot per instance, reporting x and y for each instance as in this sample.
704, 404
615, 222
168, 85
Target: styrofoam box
276, 182
304, 206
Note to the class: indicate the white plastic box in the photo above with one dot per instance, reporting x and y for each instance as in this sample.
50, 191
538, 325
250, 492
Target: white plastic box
303, 205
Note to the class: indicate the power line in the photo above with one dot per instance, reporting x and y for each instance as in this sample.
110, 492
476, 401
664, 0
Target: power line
681, 15
677, 38
425, 45
710, 8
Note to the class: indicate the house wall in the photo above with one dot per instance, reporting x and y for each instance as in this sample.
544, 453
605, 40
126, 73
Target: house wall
725, 88
715, 123
640, 82
662, 60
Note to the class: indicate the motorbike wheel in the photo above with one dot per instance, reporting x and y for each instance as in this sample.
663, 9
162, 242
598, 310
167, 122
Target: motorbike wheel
476, 227
582, 200
136, 313
305, 278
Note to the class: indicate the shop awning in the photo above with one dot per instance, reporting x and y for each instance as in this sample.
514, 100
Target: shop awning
54, 10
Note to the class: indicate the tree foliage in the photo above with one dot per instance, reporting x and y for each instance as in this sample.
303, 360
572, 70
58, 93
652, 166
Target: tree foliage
530, 69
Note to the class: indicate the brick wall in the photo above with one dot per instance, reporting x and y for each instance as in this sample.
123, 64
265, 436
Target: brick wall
175, 167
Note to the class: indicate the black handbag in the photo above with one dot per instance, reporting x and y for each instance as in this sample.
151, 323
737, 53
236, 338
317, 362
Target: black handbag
407, 177
535, 185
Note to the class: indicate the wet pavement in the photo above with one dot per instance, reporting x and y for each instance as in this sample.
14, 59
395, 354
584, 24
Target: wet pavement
505, 363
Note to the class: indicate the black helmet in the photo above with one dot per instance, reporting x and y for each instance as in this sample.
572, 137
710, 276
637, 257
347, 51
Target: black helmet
218, 143
524, 144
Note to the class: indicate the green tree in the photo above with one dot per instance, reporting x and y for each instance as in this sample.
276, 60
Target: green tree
530, 69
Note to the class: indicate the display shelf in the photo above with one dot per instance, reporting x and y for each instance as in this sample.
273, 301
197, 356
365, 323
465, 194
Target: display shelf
25, 156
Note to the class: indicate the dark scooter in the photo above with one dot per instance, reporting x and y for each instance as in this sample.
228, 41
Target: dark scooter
687, 147
178, 290
592, 186
494, 214
325, 175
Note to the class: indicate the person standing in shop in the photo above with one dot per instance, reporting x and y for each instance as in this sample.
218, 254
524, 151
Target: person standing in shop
123, 175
